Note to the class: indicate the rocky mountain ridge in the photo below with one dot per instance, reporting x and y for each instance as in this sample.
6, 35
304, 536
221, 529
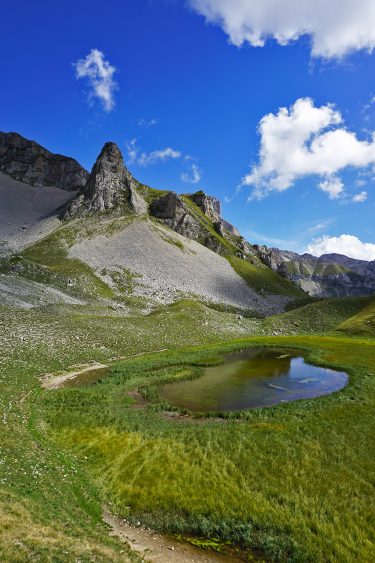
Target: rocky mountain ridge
117, 241
330, 275
110, 189
29, 162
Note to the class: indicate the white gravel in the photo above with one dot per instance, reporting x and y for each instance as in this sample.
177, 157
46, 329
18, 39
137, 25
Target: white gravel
27, 213
169, 272
26, 294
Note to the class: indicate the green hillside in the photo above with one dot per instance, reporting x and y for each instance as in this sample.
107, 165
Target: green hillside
362, 322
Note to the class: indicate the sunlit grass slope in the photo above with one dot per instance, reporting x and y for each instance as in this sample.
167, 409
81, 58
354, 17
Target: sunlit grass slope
363, 322
263, 279
322, 316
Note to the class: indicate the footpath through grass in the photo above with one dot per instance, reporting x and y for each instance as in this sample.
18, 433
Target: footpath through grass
294, 482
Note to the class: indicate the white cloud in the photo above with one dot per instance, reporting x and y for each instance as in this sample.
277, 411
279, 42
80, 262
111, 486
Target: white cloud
147, 122
335, 27
132, 151
136, 156
317, 227
360, 198
333, 187
99, 74
305, 140
194, 177
159, 155
348, 245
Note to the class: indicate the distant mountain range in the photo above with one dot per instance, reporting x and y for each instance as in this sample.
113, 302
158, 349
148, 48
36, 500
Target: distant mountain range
330, 275
41, 191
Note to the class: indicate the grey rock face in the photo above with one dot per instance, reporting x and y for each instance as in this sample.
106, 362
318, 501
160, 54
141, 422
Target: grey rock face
32, 164
330, 275
208, 204
219, 228
173, 212
211, 207
110, 185
230, 228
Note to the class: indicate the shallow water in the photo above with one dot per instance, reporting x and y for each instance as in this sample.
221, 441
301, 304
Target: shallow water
86, 377
253, 378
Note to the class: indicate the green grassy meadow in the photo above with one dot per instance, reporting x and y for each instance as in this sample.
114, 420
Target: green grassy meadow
289, 483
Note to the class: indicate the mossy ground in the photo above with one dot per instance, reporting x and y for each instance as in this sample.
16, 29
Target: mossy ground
294, 482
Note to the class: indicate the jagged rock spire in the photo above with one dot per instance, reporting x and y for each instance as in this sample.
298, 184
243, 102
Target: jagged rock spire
110, 185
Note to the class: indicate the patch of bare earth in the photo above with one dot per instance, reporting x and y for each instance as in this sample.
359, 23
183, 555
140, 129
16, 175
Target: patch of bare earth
53, 381
152, 546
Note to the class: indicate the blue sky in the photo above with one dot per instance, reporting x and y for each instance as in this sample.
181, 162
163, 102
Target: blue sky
184, 104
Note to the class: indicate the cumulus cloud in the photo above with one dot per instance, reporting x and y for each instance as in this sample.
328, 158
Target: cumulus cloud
194, 176
136, 156
99, 74
348, 245
360, 198
333, 187
335, 27
306, 140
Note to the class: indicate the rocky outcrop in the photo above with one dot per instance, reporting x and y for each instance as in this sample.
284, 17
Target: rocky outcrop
173, 212
32, 164
211, 207
208, 204
219, 228
110, 185
330, 275
230, 228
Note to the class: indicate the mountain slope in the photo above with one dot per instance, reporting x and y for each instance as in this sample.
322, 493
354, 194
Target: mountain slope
167, 266
120, 241
27, 213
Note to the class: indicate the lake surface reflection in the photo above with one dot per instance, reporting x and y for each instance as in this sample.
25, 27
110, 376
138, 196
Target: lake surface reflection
253, 378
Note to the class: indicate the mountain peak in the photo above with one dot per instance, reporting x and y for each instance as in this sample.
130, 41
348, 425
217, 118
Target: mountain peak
108, 177
110, 184
111, 152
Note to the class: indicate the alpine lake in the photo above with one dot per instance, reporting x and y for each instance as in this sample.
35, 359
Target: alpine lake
253, 378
